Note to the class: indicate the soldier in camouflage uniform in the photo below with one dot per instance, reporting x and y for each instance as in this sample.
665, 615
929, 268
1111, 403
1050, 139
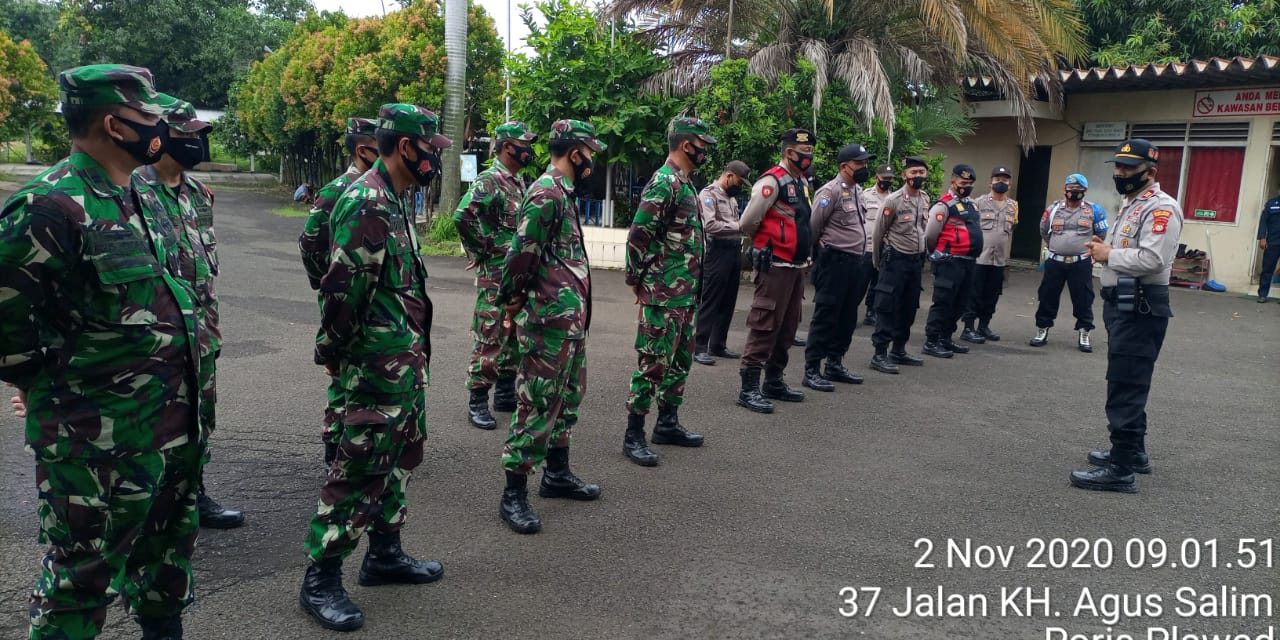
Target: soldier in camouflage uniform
546, 286
314, 245
188, 204
486, 221
99, 332
664, 268
375, 337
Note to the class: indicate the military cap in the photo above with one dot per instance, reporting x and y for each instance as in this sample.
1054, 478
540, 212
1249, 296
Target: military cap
184, 118
361, 127
1135, 151
413, 120
740, 169
914, 161
691, 126
886, 170
577, 131
798, 136
514, 130
98, 85
854, 152
1001, 170
1076, 179
963, 171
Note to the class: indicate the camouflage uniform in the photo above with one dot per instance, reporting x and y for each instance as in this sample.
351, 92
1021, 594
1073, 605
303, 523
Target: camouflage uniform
99, 328
664, 261
486, 221
548, 264
314, 246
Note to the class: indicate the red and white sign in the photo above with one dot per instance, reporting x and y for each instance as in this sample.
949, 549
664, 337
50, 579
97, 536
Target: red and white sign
1260, 101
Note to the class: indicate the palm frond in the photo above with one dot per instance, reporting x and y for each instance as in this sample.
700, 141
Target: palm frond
860, 68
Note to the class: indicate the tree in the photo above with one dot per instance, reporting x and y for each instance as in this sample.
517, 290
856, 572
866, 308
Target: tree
455, 42
54, 32
27, 91
1146, 31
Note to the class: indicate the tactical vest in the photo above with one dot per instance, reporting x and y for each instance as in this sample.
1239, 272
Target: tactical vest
786, 224
960, 240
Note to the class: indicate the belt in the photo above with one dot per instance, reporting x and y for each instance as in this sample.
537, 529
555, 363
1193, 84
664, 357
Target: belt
831, 253
1067, 259
735, 243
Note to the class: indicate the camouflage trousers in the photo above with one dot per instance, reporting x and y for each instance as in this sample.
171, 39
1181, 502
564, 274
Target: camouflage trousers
114, 526
208, 399
664, 342
494, 355
380, 445
552, 376
336, 403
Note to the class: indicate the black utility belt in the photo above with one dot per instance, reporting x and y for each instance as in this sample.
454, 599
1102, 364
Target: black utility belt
1131, 295
839, 255
726, 243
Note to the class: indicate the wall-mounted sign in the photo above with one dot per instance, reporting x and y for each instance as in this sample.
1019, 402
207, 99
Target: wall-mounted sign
1262, 101
469, 169
1104, 131
1206, 214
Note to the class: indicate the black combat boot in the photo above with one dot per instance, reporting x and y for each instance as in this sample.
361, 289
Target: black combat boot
799, 340
951, 346
775, 388
835, 371
749, 396
325, 600
161, 628
386, 563
880, 362
898, 355
814, 380
515, 509
1112, 477
1139, 462
558, 481
478, 410
504, 395
934, 347
330, 453
214, 516
870, 320
634, 445
1041, 338
726, 352
969, 335
668, 430
985, 331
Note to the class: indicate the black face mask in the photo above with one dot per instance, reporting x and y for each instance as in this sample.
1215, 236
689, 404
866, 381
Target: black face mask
1000, 187
698, 157
964, 192
580, 168
734, 190
151, 142
365, 159
187, 152
916, 182
522, 155
424, 169
803, 160
860, 175
1075, 196
884, 185
1130, 184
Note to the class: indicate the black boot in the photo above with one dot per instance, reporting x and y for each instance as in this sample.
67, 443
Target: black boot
880, 362
749, 396
504, 395
951, 346
214, 516
933, 347
558, 481
899, 356
386, 563
634, 445
1139, 462
161, 628
870, 320
330, 453
836, 372
969, 335
515, 509
986, 332
726, 352
478, 410
1109, 478
324, 598
668, 430
814, 380
775, 388
702, 357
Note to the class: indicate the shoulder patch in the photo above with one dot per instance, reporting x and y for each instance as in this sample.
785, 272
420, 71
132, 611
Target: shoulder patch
824, 202
1161, 213
1160, 225
1147, 194
940, 217
709, 201
766, 191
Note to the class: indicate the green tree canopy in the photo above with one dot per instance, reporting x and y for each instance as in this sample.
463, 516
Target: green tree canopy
27, 91
1144, 31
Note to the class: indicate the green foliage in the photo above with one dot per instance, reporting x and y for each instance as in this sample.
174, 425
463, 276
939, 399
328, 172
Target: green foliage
443, 229
291, 211
28, 93
1143, 31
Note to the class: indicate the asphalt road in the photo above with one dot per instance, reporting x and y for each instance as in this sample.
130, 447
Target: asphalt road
755, 534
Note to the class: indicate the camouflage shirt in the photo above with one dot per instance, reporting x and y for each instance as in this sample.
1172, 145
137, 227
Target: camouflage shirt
486, 221
95, 323
315, 239
664, 247
548, 259
375, 318
189, 208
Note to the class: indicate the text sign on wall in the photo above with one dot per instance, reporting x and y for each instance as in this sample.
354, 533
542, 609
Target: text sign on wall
468, 169
1206, 213
1261, 101
1104, 131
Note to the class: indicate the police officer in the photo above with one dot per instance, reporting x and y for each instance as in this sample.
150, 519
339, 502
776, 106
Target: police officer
873, 201
1269, 242
839, 230
98, 332
722, 264
486, 222
1136, 258
314, 245
998, 214
376, 280
777, 220
899, 256
954, 235
1066, 226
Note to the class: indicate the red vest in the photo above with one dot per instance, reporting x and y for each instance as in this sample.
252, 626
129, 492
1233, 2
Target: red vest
960, 239
786, 224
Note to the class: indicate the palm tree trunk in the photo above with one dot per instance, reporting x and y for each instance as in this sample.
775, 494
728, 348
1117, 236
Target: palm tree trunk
455, 45
728, 38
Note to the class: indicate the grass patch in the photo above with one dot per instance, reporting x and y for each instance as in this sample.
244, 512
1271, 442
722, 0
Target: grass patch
291, 211
449, 248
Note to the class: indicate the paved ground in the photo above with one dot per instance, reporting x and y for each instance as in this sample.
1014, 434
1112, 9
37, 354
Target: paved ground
754, 535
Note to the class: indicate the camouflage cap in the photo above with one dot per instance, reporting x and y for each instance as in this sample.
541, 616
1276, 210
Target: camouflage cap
577, 131
514, 130
361, 126
691, 126
183, 118
413, 120
106, 84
